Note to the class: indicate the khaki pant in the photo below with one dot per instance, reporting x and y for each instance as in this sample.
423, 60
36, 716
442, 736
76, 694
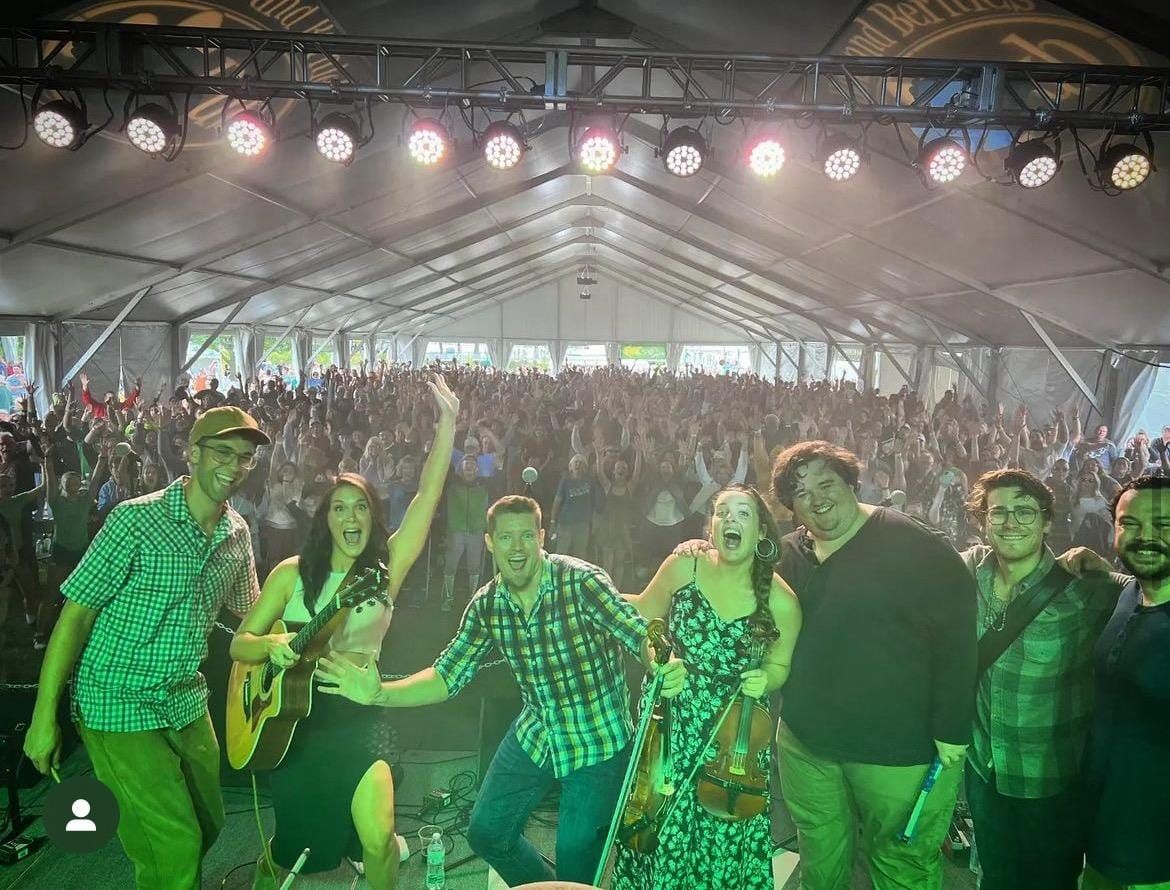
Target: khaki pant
828, 800
166, 782
1094, 880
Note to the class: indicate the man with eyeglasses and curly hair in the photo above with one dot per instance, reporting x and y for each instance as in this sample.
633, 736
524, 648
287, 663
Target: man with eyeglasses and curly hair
139, 607
1037, 624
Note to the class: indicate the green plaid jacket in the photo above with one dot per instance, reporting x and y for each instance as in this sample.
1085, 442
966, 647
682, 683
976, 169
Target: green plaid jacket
566, 657
157, 583
1034, 705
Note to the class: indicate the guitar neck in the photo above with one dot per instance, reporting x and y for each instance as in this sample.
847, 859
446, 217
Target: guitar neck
305, 634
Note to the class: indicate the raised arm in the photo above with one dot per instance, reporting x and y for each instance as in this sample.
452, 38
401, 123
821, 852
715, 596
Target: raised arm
408, 541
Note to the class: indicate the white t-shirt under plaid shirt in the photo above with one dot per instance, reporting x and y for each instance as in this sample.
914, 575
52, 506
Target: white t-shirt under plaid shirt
157, 582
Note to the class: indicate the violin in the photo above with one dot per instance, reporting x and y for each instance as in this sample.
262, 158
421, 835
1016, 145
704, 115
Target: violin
652, 788
733, 779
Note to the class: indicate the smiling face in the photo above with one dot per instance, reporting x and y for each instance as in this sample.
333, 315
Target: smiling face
822, 502
515, 543
1014, 540
1141, 533
735, 526
350, 521
216, 471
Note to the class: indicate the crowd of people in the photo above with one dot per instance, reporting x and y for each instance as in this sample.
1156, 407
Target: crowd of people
747, 513
627, 463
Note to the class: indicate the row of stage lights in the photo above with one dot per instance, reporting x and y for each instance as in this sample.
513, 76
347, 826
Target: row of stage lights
153, 129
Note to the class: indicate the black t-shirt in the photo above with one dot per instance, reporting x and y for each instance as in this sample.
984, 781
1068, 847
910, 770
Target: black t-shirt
1127, 775
885, 663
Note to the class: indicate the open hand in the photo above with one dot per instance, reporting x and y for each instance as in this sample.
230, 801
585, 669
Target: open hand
445, 400
358, 684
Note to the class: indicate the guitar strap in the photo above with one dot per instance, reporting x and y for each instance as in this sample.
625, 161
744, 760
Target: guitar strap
1020, 613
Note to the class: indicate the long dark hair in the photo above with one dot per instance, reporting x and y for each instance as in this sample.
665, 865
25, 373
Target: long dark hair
763, 626
316, 555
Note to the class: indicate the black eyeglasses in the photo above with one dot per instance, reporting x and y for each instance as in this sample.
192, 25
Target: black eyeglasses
1023, 515
225, 456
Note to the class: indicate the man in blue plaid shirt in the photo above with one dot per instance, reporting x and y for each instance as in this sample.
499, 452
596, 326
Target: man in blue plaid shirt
139, 607
561, 626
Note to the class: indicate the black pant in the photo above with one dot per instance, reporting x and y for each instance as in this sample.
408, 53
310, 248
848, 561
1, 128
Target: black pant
1026, 844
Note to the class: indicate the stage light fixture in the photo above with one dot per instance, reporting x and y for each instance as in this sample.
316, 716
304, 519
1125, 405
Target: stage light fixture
1033, 163
683, 151
840, 157
428, 142
337, 138
503, 145
598, 150
941, 160
152, 129
1124, 166
248, 134
765, 155
60, 124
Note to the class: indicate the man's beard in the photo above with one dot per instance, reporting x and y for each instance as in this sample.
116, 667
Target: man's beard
1161, 574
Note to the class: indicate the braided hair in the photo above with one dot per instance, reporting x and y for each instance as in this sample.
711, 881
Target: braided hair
763, 626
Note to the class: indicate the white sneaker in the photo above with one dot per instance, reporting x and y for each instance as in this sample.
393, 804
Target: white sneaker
403, 855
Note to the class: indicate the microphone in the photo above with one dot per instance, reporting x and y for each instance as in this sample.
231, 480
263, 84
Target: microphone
529, 475
898, 497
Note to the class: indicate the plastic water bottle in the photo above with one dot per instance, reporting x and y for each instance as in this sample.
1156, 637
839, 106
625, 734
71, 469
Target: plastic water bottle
436, 862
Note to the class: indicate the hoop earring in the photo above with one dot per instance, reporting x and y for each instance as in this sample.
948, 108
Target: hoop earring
770, 554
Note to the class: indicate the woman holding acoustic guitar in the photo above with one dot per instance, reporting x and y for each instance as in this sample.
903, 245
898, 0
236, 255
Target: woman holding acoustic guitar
734, 623
331, 792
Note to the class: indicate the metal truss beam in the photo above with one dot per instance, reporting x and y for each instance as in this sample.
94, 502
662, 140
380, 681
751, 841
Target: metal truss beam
105, 335
1064, 362
958, 360
342, 68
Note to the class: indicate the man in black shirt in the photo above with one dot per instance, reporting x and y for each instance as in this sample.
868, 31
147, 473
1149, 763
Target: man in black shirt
1128, 767
882, 679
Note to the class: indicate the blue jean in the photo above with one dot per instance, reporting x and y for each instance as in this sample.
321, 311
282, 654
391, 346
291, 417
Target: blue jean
512, 788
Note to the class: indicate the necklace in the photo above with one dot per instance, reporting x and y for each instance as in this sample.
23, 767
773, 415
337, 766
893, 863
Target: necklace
996, 609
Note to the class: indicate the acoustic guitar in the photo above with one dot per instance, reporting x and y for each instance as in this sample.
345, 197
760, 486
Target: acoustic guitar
264, 702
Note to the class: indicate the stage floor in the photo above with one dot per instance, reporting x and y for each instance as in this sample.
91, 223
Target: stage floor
231, 862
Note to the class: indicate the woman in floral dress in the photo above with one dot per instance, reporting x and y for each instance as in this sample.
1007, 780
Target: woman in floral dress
718, 606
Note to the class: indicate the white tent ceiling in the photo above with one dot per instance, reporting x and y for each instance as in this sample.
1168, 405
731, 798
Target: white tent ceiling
382, 245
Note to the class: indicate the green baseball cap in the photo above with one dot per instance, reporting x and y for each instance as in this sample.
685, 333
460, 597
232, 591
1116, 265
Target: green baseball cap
227, 421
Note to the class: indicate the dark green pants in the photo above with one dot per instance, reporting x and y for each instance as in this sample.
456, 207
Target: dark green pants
829, 800
166, 782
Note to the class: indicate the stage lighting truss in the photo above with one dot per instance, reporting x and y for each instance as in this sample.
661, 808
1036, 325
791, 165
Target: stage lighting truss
1033, 163
154, 130
1123, 166
61, 124
940, 161
840, 157
585, 277
598, 149
429, 142
503, 145
683, 151
765, 153
250, 133
338, 138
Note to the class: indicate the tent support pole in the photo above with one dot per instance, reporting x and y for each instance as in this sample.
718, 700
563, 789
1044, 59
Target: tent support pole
1064, 362
100, 340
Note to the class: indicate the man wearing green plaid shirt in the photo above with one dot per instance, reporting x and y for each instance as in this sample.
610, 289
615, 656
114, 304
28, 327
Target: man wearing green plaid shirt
139, 608
1035, 703
561, 626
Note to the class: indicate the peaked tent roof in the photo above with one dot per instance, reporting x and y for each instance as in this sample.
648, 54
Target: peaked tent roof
383, 245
